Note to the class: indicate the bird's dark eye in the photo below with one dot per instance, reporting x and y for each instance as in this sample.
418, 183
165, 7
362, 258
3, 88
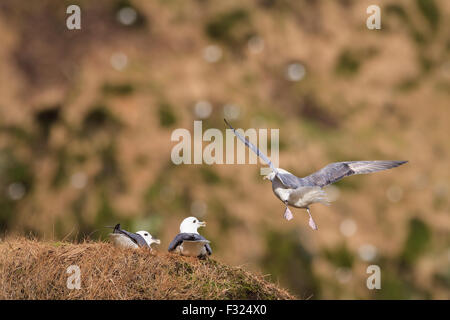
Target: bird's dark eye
195, 221
146, 234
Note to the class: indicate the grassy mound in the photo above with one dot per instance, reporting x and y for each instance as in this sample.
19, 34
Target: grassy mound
38, 270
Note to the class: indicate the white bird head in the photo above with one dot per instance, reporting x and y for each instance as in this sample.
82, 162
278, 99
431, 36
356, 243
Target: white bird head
148, 237
270, 176
191, 224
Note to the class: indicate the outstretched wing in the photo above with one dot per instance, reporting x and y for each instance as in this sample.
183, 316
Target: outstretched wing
251, 147
287, 179
136, 238
338, 170
179, 238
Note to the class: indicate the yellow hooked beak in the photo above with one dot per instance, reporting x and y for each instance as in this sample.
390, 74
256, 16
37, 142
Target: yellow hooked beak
202, 223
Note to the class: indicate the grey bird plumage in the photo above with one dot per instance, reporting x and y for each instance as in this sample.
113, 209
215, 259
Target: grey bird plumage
123, 238
302, 192
336, 171
181, 237
136, 238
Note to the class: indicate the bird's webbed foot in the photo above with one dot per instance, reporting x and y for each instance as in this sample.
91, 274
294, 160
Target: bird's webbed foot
288, 214
312, 224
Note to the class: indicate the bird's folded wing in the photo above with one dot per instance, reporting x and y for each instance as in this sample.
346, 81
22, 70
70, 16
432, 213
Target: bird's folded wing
289, 180
207, 245
208, 249
338, 170
179, 238
136, 238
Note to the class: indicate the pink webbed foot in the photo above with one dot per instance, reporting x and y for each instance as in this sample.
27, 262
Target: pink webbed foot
288, 214
312, 224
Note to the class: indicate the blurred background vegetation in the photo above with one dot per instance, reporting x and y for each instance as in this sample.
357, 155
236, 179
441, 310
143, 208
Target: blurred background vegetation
86, 118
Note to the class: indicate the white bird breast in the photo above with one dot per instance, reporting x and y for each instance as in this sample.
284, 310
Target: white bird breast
122, 241
280, 190
300, 197
193, 248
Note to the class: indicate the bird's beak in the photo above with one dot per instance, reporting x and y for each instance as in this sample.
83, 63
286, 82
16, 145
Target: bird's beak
202, 223
157, 241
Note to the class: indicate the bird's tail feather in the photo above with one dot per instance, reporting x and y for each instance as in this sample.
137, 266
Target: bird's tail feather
320, 196
310, 195
115, 228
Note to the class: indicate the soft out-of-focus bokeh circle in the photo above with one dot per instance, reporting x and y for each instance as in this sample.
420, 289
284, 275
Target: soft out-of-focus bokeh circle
295, 71
212, 53
231, 111
16, 191
348, 227
78, 180
203, 109
119, 61
394, 193
367, 252
199, 209
127, 16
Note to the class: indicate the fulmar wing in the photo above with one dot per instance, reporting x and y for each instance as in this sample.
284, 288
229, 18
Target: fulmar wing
207, 246
208, 249
252, 147
289, 180
179, 238
136, 238
338, 170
